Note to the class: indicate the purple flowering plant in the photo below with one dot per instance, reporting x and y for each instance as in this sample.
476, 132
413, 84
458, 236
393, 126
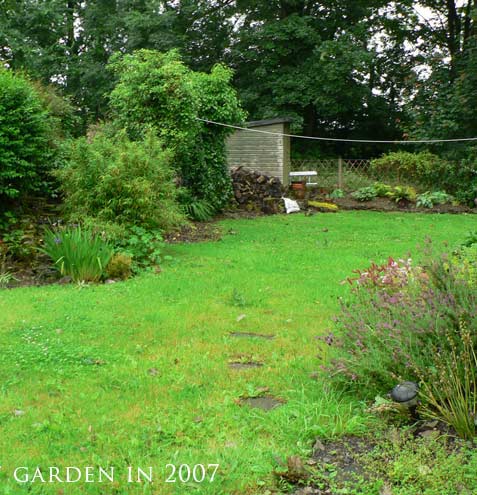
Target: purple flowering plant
396, 322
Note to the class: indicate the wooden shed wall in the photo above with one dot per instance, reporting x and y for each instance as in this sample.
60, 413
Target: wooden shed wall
265, 153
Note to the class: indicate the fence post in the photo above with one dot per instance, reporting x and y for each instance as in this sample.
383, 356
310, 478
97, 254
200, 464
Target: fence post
340, 173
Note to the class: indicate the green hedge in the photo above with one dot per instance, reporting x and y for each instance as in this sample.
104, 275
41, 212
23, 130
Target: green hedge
25, 130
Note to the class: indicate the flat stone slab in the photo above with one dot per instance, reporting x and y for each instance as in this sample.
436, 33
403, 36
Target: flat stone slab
252, 335
245, 365
264, 403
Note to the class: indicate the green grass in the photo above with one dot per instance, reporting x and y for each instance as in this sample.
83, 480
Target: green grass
77, 360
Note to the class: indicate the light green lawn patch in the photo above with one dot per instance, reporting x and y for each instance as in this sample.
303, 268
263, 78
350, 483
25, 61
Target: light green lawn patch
136, 373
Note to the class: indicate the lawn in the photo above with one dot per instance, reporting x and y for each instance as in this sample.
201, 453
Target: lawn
137, 373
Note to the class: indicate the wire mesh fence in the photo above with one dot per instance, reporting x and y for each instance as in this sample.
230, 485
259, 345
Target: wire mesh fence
346, 174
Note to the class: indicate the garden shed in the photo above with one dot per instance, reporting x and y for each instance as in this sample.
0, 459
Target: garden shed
268, 154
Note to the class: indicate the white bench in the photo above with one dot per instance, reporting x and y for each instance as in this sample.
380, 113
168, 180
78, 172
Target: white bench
308, 174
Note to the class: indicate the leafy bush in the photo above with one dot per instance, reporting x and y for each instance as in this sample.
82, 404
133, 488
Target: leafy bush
24, 138
337, 194
406, 323
402, 193
143, 245
426, 170
470, 239
171, 100
382, 190
466, 259
365, 194
113, 179
195, 209
78, 253
429, 199
119, 266
414, 168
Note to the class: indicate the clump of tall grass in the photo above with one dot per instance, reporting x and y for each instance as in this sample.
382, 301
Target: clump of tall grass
78, 253
450, 392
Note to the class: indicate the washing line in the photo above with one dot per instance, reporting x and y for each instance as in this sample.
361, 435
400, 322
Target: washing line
315, 138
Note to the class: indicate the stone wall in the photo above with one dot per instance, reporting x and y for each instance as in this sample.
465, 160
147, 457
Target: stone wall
265, 153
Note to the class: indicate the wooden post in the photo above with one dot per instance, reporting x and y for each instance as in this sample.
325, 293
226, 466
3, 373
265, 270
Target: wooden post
340, 173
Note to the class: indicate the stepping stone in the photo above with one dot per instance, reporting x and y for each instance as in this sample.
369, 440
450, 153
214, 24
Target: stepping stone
264, 403
245, 365
252, 335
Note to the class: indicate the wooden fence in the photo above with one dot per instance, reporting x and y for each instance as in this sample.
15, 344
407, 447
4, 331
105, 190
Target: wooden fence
339, 173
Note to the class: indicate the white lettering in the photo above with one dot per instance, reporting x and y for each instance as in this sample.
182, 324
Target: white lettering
69, 471
25, 478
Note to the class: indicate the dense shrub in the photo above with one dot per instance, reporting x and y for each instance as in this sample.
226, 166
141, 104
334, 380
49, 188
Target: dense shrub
365, 194
429, 199
170, 99
405, 323
413, 168
429, 171
78, 253
116, 180
25, 152
402, 193
119, 266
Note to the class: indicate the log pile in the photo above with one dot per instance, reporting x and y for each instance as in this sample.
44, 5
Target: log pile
254, 191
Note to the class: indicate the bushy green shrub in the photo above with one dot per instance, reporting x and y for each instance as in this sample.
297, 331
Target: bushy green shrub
405, 323
402, 193
412, 168
143, 245
25, 152
337, 194
429, 171
171, 99
429, 199
382, 190
365, 194
119, 266
114, 179
78, 253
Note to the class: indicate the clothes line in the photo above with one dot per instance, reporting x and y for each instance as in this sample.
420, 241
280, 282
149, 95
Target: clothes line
315, 138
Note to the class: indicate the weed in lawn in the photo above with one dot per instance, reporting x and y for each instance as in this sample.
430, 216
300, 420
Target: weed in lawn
238, 299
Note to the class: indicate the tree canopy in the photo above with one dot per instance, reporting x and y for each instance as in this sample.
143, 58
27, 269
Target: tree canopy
375, 69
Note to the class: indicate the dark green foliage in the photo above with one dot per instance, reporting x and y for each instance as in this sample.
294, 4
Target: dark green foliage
365, 194
170, 100
113, 179
78, 253
143, 245
402, 193
429, 199
382, 190
25, 153
470, 239
196, 209
427, 170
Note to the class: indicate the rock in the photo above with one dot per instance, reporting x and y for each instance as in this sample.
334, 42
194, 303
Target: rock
110, 281
405, 392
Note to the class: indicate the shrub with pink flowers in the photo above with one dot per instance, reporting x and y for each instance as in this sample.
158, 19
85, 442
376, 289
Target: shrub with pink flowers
408, 323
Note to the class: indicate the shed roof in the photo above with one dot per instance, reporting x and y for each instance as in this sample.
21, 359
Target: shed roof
277, 120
